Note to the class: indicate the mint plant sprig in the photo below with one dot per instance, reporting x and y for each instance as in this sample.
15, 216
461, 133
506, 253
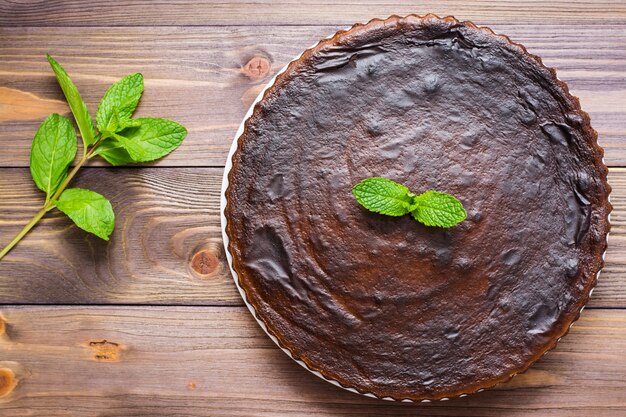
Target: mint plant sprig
432, 208
119, 140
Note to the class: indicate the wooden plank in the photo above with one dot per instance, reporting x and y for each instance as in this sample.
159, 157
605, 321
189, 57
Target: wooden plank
166, 219
209, 83
121, 361
168, 13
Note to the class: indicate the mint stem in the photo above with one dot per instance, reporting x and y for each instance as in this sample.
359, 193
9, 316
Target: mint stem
51, 202
23, 232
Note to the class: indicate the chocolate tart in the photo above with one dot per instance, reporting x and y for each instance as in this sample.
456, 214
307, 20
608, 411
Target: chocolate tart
385, 306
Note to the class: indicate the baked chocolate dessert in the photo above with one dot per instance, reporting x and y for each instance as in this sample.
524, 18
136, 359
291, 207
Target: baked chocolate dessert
386, 305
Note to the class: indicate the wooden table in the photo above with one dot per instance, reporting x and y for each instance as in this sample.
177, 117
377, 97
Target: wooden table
150, 323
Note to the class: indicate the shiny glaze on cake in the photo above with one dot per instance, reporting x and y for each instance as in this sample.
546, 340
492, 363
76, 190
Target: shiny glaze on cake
386, 305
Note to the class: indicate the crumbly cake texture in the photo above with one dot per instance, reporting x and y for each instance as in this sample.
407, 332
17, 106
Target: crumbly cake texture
386, 305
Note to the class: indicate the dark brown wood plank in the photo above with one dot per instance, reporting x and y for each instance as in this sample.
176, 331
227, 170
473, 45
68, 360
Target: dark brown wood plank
166, 217
209, 361
175, 13
206, 77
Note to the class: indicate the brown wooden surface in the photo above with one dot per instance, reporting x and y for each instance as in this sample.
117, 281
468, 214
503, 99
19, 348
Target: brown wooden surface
215, 361
91, 353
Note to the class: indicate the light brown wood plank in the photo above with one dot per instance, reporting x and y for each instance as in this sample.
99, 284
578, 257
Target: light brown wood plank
168, 13
165, 217
210, 361
200, 76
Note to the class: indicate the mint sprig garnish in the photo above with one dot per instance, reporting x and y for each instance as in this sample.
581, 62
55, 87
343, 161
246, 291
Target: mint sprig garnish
432, 208
120, 140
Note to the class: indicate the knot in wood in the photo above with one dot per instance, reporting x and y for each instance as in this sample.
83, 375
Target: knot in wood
257, 67
105, 351
204, 262
7, 381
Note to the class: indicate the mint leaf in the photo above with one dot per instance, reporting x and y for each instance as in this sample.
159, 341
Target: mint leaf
121, 98
129, 123
432, 208
435, 208
114, 124
383, 196
113, 152
152, 139
76, 103
89, 210
52, 151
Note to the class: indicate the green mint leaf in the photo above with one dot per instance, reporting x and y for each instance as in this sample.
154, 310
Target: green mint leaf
113, 152
76, 103
89, 210
152, 139
52, 151
129, 123
122, 97
438, 209
115, 123
383, 196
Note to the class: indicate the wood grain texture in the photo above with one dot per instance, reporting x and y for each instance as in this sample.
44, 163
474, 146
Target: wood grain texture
164, 217
209, 83
186, 12
207, 361
167, 246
